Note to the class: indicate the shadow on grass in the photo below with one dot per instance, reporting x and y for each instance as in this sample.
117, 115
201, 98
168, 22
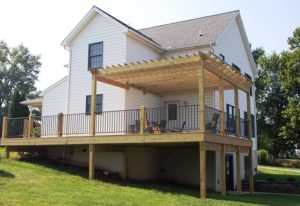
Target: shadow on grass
162, 186
6, 174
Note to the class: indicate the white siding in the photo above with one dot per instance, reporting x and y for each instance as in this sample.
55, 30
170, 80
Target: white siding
136, 51
231, 45
54, 100
135, 98
99, 29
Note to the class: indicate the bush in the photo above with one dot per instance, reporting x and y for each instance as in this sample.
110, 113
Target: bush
292, 163
262, 156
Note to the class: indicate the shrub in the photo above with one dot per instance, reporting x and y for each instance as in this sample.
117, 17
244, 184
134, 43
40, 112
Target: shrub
291, 179
262, 156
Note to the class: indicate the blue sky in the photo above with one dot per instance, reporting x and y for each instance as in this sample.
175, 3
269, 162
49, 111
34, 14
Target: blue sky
42, 25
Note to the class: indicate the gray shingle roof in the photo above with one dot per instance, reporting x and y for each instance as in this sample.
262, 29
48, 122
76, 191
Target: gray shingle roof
187, 33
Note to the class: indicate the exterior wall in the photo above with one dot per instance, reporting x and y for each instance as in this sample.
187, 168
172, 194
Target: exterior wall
181, 165
54, 100
135, 98
231, 45
137, 51
99, 29
143, 163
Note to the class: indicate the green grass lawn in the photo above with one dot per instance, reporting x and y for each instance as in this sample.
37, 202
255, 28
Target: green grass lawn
51, 183
277, 173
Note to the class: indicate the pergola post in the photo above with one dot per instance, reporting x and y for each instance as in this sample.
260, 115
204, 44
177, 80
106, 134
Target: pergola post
142, 119
202, 153
223, 171
249, 116
251, 184
238, 170
201, 98
91, 161
221, 105
93, 104
25, 128
237, 112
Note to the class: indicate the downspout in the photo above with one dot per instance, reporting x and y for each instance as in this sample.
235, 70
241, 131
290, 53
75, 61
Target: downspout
69, 80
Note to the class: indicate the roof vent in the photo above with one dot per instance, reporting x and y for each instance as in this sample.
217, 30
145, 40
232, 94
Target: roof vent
200, 33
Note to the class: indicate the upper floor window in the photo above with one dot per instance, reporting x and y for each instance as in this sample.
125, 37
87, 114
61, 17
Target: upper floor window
99, 103
95, 55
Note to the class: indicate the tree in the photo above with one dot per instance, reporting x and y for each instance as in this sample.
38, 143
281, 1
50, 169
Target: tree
271, 102
15, 108
290, 80
19, 71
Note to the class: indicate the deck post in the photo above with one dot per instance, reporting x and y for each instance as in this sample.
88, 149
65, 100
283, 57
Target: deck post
221, 105
25, 128
93, 104
237, 112
249, 116
201, 98
4, 127
238, 170
142, 119
223, 170
60, 124
91, 161
7, 152
251, 184
202, 152
30, 126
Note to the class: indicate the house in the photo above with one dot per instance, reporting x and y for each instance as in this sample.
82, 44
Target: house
174, 102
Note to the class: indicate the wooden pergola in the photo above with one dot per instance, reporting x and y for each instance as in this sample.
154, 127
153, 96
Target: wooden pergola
180, 73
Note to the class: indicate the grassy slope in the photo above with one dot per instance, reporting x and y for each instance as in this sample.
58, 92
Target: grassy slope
280, 174
23, 183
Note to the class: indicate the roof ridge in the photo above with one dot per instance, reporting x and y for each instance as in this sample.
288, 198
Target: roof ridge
207, 16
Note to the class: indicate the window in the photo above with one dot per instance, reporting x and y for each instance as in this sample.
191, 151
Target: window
229, 112
99, 103
172, 111
95, 55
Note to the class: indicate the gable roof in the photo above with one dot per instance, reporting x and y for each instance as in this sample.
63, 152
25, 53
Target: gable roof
59, 82
95, 10
199, 31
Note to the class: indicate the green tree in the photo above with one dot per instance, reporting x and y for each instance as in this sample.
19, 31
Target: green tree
19, 71
15, 108
290, 80
271, 102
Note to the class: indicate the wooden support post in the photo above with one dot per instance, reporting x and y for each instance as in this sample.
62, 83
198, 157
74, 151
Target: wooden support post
25, 128
201, 98
142, 119
202, 152
249, 116
221, 105
251, 184
60, 124
93, 104
30, 126
7, 152
4, 127
223, 171
238, 170
237, 112
91, 161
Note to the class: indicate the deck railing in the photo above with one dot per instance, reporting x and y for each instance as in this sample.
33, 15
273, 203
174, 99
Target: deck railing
156, 120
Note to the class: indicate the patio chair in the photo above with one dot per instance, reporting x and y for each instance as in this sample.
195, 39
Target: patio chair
162, 125
212, 125
180, 129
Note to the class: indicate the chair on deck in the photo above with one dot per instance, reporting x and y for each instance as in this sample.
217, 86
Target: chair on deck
162, 125
180, 129
212, 125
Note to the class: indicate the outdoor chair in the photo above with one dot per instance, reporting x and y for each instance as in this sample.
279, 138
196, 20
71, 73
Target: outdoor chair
212, 125
180, 129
